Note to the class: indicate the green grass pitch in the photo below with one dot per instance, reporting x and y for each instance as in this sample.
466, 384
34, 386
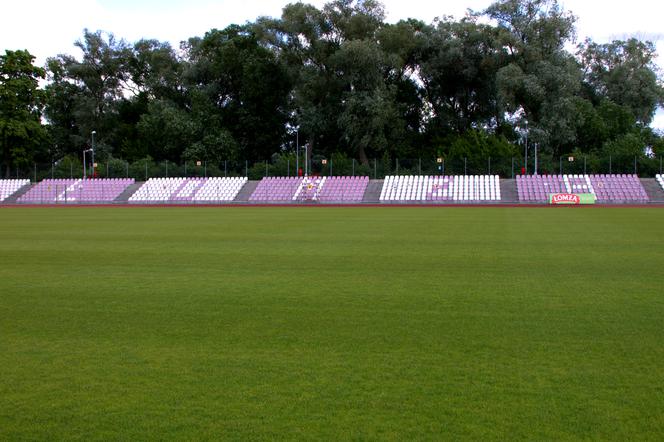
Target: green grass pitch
331, 323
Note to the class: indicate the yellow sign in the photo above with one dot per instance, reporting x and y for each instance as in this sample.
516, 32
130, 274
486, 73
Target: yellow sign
439, 160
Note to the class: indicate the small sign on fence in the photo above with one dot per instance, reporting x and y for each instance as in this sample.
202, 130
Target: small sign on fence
324, 162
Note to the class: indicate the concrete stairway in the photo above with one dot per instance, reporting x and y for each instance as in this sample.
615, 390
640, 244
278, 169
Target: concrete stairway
508, 191
128, 192
372, 194
653, 189
246, 191
13, 198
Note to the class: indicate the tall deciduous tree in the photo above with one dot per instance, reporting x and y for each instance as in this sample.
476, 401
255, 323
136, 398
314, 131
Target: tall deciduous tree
98, 82
458, 72
625, 73
239, 93
22, 135
305, 39
351, 84
541, 79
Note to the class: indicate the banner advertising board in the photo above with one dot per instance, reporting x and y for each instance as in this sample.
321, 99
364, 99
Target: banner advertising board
571, 198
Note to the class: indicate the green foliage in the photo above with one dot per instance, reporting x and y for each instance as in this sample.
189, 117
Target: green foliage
215, 148
340, 164
459, 64
69, 166
625, 73
144, 168
474, 149
239, 94
347, 83
476, 143
22, 135
85, 95
540, 80
626, 146
259, 170
167, 129
155, 71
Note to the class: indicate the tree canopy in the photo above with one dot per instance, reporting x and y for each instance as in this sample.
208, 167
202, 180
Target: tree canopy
343, 80
22, 136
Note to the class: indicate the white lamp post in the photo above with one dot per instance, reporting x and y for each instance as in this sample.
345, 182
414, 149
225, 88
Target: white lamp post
94, 132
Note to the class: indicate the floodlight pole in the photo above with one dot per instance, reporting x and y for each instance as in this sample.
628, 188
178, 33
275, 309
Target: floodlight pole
306, 159
297, 151
526, 151
85, 167
94, 132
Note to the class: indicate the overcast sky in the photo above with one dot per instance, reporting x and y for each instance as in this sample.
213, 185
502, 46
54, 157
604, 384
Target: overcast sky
50, 27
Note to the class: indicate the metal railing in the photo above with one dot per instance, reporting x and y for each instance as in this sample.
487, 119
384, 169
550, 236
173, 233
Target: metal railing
378, 168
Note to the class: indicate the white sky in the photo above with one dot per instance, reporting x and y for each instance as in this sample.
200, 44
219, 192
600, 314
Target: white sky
50, 27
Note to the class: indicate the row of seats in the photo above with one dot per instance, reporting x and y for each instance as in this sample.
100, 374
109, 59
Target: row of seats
97, 190
10, 187
220, 189
532, 188
606, 188
322, 189
441, 188
276, 189
344, 189
189, 189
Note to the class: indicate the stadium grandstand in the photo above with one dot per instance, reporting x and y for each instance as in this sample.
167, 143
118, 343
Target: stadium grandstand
319, 189
473, 188
188, 190
606, 188
415, 189
98, 190
10, 187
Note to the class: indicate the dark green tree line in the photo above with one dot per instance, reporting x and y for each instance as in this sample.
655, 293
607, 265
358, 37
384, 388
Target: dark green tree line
22, 135
345, 82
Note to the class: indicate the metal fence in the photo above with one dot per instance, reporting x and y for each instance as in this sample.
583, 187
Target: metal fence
288, 165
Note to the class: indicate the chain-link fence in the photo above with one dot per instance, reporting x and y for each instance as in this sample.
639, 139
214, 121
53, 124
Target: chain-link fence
338, 165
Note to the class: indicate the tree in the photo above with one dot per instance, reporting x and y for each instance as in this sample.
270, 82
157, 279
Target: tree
155, 71
369, 117
402, 45
89, 92
166, 130
239, 90
458, 72
353, 19
350, 84
350, 93
61, 111
625, 73
304, 39
541, 79
22, 135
